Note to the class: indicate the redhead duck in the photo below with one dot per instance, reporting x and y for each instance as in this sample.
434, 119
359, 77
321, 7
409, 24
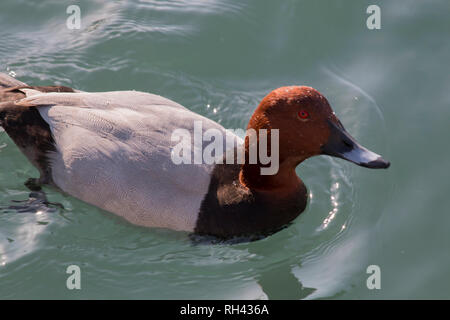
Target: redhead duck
114, 150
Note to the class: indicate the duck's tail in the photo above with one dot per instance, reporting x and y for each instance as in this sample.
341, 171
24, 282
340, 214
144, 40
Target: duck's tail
7, 83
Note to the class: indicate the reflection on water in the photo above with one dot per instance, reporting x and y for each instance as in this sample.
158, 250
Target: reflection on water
27, 220
334, 204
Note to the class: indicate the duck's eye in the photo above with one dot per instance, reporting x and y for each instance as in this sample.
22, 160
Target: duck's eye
303, 114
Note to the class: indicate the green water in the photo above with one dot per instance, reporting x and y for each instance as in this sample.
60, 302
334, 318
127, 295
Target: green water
390, 87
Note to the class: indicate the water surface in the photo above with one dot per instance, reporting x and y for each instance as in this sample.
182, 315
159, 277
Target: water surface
390, 88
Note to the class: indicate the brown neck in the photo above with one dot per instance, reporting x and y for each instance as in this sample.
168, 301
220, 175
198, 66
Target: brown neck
285, 181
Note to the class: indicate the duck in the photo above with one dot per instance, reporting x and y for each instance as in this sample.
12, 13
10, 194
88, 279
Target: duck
114, 150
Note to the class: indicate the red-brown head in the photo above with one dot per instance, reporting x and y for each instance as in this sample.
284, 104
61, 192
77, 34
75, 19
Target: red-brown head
308, 127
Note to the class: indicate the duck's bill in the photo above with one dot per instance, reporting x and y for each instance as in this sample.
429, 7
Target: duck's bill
342, 145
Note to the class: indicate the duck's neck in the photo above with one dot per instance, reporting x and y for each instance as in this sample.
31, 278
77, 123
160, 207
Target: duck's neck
284, 182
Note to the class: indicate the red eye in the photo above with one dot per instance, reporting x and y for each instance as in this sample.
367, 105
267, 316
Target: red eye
303, 114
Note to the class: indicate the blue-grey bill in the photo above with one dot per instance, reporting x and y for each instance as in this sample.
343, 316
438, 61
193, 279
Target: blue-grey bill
342, 145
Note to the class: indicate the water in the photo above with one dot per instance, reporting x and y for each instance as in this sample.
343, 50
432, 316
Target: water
390, 87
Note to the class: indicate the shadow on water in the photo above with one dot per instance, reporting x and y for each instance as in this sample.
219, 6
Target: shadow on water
280, 283
276, 281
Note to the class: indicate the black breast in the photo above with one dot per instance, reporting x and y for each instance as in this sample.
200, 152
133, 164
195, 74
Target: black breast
230, 210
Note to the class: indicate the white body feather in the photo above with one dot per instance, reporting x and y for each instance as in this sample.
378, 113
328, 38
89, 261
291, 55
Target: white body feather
114, 151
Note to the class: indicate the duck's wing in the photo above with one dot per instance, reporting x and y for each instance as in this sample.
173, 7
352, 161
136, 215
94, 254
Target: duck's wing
114, 150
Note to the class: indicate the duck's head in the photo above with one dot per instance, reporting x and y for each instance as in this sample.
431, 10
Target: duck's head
309, 127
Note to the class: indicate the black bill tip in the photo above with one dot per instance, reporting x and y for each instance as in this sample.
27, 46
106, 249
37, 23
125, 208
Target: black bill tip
379, 163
